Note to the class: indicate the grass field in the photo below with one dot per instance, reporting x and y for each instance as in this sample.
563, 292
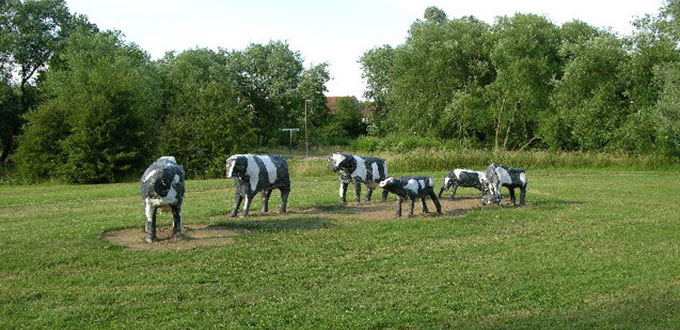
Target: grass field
594, 249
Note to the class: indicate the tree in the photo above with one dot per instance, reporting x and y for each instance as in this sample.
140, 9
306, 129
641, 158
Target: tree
525, 56
667, 109
376, 65
268, 77
347, 121
31, 33
204, 120
590, 99
98, 122
434, 15
437, 63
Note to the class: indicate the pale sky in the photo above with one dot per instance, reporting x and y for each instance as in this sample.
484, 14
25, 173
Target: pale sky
336, 32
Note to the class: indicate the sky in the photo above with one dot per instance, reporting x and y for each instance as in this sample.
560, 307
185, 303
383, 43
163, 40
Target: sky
335, 32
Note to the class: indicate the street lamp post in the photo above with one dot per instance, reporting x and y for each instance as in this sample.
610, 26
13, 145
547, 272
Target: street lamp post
306, 135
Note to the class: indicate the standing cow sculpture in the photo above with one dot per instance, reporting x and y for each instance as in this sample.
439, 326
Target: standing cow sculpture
162, 186
498, 176
411, 187
255, 173
463, 178
355, 169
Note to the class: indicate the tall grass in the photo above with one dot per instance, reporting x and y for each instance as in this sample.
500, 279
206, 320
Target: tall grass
442, 160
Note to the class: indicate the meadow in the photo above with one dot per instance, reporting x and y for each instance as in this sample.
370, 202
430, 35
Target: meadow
594, 248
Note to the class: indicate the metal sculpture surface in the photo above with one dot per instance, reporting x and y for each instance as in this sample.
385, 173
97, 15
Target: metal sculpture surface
498, 176
358, 170
411, 187
162, 186
255, 173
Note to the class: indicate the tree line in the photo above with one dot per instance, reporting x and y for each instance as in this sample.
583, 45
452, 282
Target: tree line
84, 105
524, 82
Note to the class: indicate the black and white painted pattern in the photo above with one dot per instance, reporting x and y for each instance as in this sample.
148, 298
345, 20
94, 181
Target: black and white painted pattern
411, 187
255, 173
162, 186
498, 176
463, 178
356, 169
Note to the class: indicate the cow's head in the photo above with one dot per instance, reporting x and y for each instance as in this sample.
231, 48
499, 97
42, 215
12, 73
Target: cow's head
237, 166
390, 183
340, 160
447, 183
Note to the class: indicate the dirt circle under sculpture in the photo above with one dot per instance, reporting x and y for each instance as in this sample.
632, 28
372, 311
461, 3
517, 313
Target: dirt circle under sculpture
204, 235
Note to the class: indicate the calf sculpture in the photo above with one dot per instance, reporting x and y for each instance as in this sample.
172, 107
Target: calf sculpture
411, 187
355, 169
498, 176
462, 178
162, 186
255, 173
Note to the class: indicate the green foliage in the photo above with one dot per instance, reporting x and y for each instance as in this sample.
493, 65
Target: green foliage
590, 101
667, 110
204, 121
99, 122
525, 54
346, 121
438, 65
376, 65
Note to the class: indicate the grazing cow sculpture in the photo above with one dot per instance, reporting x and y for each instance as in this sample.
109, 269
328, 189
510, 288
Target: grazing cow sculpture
411, 187
162, 186
462, 178
255, 173
498, 176
355, 169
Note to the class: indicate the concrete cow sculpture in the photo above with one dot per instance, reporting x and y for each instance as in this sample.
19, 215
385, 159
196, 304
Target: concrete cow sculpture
355, 169
411, 187
255, 173
162, 186
463, 178
498, 176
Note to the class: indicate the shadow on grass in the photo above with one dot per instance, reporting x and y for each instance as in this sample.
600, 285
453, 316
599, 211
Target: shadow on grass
278, 225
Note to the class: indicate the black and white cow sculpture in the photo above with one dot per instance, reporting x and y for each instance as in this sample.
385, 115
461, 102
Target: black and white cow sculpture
498, 176
255, 173
462, 178
355, 169
162, 186
411, 187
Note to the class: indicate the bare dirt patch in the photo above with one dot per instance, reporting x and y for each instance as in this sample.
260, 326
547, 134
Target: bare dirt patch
203, 235
194, 236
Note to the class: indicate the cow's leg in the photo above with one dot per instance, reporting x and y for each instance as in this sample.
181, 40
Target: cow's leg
436, 202
425, 210
177, 219
512, 195
399, 201
442, 190
343, 192
237, 202
411, 205
369, 192
357, 190
384, 195
150, 228
284, 199
246, 204
453, 192
265, 200
522, 195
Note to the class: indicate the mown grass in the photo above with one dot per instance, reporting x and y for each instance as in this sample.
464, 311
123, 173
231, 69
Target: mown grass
595, 249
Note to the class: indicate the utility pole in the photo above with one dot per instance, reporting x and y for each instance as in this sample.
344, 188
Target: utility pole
306, 135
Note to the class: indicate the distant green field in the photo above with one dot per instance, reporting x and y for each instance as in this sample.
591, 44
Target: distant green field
595, 249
